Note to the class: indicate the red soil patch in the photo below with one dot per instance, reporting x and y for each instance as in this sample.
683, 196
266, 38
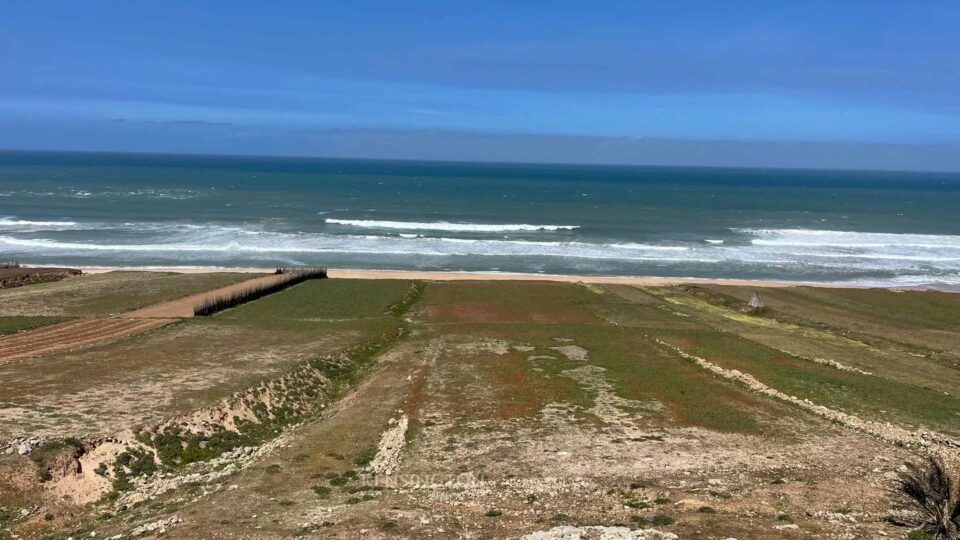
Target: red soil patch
478, 312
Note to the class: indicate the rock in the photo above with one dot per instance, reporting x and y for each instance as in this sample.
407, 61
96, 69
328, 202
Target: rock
27, 446
687, 504
159, 526
787, 527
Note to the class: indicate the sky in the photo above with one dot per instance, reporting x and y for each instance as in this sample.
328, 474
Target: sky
862, 84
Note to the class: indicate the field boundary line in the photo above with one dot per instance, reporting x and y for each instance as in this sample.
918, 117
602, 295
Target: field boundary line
927, 439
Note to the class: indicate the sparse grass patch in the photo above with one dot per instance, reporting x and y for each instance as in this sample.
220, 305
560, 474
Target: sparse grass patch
661, 520
12, 325
365, 457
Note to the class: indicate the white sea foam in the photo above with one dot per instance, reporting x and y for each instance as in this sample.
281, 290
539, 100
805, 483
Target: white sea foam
869, 257
223, 241
22, 223
853, 239
445, 226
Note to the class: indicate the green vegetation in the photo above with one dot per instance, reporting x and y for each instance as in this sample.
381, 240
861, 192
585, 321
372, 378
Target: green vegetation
48, 452
403, 305
255, 292
133, 463
661, 520
866, 395
106, 294
494, 513
365, 457
11, 325
176, 448
327, 299
931, 492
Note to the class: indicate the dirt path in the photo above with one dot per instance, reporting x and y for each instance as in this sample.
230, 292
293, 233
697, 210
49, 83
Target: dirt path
82, 333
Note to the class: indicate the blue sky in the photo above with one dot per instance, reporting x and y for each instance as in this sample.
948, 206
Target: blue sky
288, 77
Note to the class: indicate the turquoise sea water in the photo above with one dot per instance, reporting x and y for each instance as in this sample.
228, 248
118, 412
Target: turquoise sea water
163, 210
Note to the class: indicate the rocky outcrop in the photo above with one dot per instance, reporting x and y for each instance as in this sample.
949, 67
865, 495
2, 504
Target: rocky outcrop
390, 447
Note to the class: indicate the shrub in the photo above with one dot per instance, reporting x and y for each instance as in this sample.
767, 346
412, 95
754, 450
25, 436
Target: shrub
494, 513
365, 457
661, 520
322, 491
928, 488
706, 510
661, 500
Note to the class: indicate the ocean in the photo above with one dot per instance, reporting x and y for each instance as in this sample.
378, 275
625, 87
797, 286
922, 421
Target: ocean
854, 227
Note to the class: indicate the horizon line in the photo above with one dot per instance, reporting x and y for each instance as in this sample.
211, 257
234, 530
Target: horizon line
476, 162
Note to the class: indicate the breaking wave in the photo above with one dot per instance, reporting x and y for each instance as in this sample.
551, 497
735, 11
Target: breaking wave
445, 226
21, 223
802, 254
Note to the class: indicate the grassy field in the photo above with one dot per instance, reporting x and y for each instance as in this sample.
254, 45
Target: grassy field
100, 295
323, 300
185, 366
12, 325
526, 406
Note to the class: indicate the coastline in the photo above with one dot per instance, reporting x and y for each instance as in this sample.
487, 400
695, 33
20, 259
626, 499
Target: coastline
455, 275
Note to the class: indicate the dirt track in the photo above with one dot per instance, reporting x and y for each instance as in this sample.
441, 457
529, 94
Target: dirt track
72, 335
82, 333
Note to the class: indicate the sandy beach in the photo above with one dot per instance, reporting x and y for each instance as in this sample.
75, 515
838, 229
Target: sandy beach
353, 273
